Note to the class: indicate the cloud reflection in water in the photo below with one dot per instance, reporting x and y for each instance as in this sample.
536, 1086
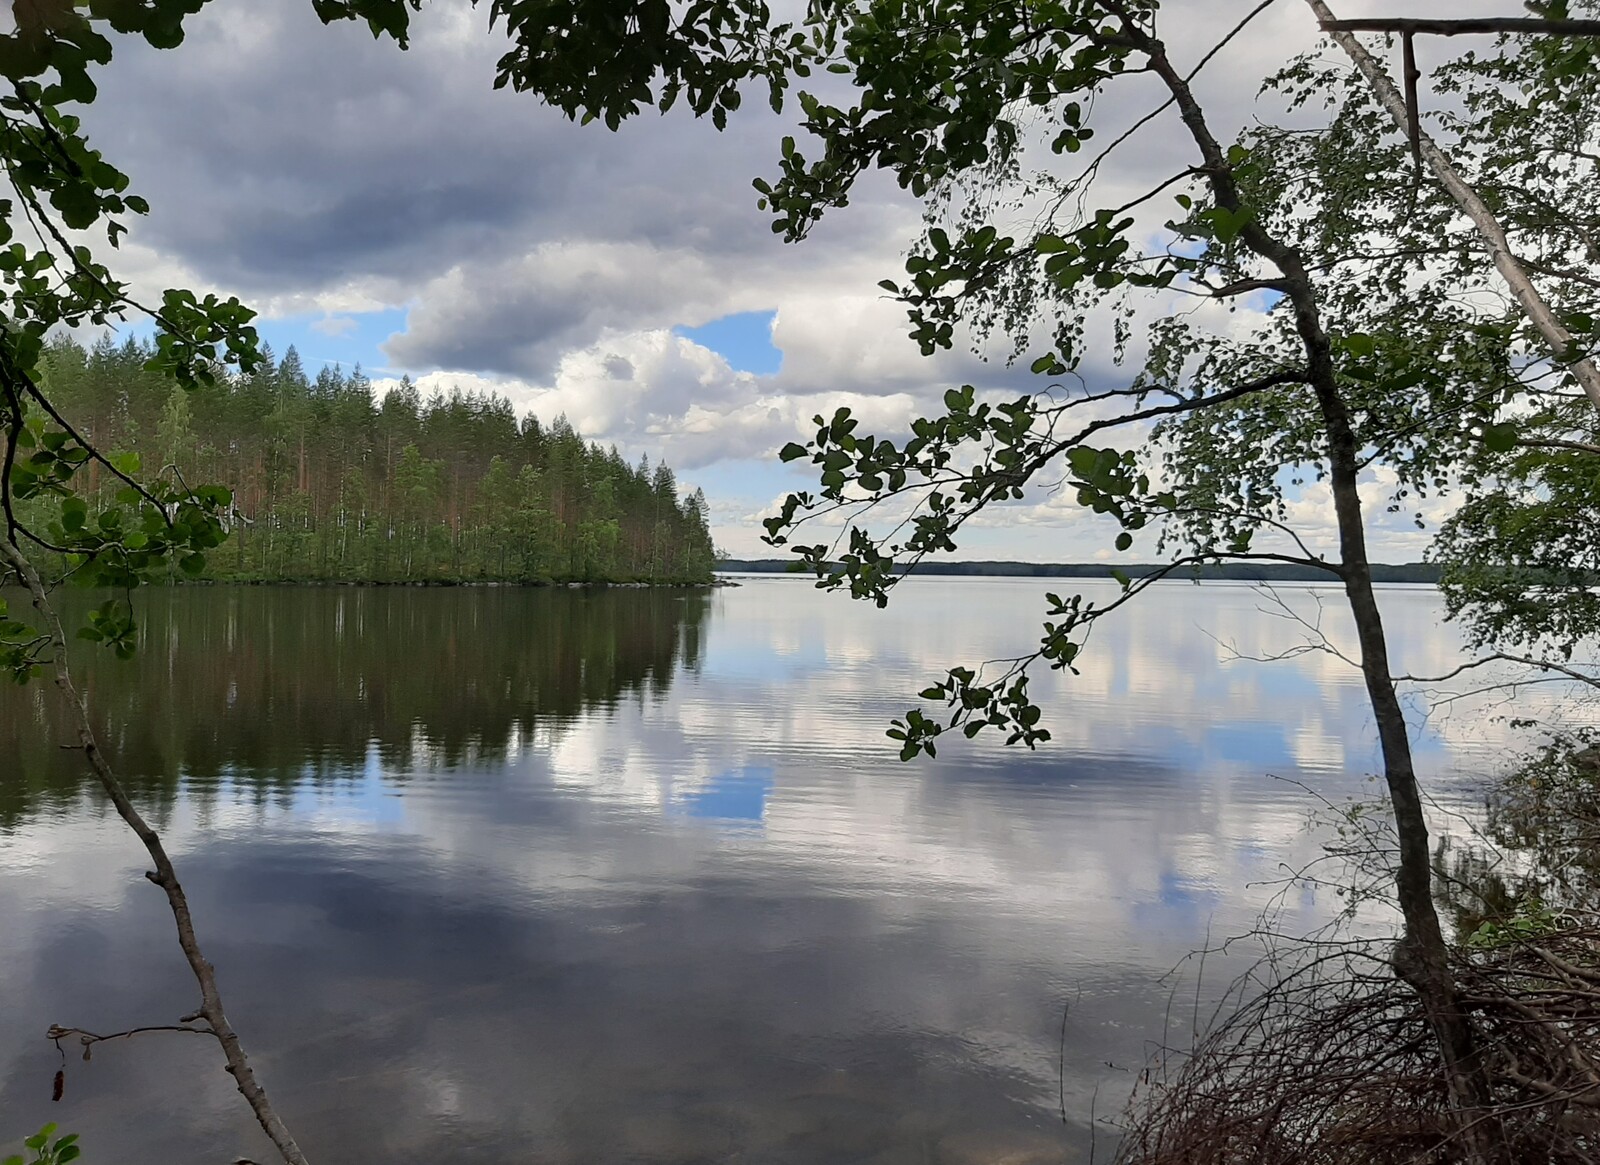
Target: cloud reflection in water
509, 876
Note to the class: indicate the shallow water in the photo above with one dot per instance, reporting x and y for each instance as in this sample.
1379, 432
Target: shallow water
559, 876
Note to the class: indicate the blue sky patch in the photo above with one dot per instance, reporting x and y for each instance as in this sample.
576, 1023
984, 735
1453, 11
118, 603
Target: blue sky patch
1251, 743
738, 795
743, 339
343, 338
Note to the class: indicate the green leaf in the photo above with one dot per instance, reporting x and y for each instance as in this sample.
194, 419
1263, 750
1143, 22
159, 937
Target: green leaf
792, 452
1124, 540
1501, 438
78, 203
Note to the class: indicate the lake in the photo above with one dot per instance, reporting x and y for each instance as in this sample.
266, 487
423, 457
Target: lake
497, 875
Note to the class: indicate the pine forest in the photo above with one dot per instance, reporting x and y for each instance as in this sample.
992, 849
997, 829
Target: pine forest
331, 482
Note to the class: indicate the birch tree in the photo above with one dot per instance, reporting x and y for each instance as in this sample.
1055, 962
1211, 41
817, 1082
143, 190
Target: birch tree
1360, 367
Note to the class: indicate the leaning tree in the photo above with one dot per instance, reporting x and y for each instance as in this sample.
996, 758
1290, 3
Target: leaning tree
1302, 317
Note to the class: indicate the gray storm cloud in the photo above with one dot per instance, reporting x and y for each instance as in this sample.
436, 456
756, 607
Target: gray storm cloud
310, 168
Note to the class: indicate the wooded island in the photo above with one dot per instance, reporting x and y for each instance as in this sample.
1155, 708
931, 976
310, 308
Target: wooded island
333, 482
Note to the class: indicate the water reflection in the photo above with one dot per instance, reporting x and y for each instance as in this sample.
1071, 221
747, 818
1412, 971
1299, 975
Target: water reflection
267, 687
511, 876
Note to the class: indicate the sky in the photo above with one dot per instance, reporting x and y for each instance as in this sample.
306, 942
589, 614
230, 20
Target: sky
392, 209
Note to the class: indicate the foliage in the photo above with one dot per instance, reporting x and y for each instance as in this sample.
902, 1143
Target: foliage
1521, 555
1537, 861
1533, 921
61, 184
1213, 421
591, 58
48, 1152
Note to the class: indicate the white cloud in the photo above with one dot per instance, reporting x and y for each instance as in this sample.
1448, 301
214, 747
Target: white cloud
332, 325
530, 251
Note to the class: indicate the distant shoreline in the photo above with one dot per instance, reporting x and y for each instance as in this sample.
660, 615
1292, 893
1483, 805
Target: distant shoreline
1410, 572
434, 583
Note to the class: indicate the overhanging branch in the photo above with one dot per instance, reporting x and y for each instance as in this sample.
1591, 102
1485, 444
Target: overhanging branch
1493, 24
1533, 304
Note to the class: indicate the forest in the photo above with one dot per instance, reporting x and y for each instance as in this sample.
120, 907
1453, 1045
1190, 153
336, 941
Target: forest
331, 482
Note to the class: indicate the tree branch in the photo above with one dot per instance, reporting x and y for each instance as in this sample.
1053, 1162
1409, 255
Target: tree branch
1533, 304
88, 1038
164, 875
1579, 446
1504, 657
1558, 272
1491, 24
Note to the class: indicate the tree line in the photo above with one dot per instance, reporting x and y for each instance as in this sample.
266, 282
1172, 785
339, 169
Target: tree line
1407, 572
330, 481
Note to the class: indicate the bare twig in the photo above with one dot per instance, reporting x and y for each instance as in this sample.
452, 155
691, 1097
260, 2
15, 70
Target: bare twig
1329, 1062
164, 875
88, 1039
1570, 673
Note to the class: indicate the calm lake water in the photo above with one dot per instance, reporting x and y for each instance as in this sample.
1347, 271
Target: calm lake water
634, 876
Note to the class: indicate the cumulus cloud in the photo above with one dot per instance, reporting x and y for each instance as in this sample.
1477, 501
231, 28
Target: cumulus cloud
652, 391
334, 325
312, 169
